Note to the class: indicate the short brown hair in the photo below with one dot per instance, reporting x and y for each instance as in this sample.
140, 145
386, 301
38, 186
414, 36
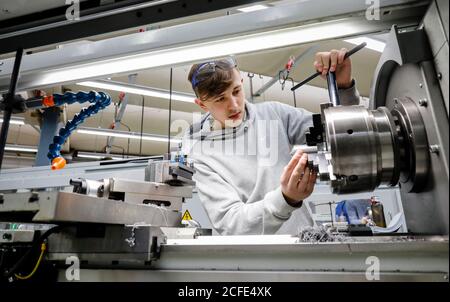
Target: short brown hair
214, 84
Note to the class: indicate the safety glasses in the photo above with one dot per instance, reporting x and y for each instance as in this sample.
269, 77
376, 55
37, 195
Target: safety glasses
205, 70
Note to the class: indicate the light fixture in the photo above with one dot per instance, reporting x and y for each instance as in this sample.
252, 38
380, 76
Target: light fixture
95, 155
21, 148
125, 134
371, 43
202, 51
252, 8
279, 26
14, 121
140, 90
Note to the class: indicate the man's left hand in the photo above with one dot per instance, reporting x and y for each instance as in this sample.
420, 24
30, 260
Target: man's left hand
334, 61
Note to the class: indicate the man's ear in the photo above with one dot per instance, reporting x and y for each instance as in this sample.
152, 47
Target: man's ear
201, 104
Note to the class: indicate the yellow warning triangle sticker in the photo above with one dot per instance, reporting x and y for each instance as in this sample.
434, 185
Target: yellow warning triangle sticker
187, 215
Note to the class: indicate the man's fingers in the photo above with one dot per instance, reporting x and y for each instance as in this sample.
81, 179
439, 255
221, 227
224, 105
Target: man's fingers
311, 183
294, 160
290, 166
341, 55
318, 62
303, 184
329, 61
318, 66
298, 171
325, 57
333, 60
302, 180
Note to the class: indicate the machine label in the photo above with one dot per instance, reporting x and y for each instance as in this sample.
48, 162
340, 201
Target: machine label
187, 215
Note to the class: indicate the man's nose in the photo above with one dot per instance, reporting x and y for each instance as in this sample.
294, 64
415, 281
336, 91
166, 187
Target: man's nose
234, 103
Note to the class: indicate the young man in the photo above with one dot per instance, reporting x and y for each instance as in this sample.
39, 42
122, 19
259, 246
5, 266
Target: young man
246, 179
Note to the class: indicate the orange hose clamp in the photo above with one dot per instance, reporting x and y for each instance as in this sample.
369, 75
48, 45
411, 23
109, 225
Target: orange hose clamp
48, 101
58, 163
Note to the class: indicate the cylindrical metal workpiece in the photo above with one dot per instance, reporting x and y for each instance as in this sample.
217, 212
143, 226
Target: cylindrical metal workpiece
363, 146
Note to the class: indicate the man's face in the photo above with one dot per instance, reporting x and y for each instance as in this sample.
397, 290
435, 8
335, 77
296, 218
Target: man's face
228, 107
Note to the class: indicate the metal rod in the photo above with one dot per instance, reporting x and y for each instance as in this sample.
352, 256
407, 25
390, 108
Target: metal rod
329, 203
275, 78
170, 111
331, 215
119, 116
295, 98
9, 103
333, 89
305, 149
250, 78
15, 73
313, 76
4, 133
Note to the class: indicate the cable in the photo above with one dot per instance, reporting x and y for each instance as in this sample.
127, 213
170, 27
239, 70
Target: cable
99, 102
283, 75
170, 109
43, 248
99, 125
164, 215
35, 244
120, 147
128, 127
128, 144
2, 257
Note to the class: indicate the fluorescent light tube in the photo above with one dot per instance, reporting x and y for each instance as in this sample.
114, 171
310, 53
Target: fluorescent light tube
371, 43
14, 121
252, 8
101, 155
125, 134
202, 51
140, 90
21, 148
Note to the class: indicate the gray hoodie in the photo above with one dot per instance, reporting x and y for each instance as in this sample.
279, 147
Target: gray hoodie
238, 169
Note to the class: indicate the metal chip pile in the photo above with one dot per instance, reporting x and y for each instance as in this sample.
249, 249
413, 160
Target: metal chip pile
318, 234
